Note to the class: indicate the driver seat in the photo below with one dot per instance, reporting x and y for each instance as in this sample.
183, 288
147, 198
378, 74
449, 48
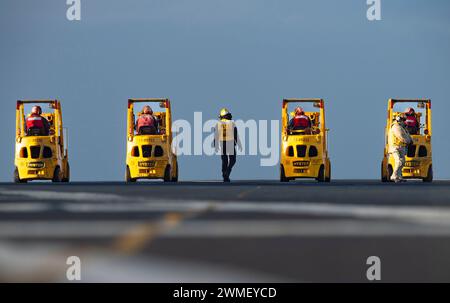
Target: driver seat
36, 131
147, 130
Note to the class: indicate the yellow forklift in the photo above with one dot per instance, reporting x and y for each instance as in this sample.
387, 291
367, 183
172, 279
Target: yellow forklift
150, 156
41, 156
304, 153
419, 163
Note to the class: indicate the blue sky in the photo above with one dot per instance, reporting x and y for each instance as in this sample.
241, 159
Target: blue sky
207, 54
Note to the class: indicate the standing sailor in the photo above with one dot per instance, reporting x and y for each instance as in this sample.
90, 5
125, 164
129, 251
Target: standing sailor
398, 141
226, 138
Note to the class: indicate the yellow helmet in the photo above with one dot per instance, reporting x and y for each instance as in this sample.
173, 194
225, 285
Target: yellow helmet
224, 112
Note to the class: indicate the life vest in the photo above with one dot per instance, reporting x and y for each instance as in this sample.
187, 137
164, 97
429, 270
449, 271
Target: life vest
398, 142
225, 130
411, 121
145, 121
35, 121
301, 121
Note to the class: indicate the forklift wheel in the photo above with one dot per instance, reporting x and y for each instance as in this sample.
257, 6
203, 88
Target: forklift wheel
283, 175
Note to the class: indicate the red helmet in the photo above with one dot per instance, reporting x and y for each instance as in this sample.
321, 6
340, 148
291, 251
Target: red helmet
410, 111
299, 111
37, 110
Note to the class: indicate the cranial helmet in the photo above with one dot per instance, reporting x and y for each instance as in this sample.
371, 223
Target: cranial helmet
299, 111
400, 118
147, 110
37, 110
224, 112
410, 111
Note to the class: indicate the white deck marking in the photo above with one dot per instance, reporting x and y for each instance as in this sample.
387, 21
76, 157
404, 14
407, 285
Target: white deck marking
218, 229
66, 229
22, 207
55, 195
83, 202
421, 214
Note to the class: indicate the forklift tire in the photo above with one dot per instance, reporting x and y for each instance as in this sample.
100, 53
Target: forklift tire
57, 175
66, 179
175, 178
321, 176
128, 176
429, 177
328, 179
384, 178
167, 177
390, 172
283, 175
17, 177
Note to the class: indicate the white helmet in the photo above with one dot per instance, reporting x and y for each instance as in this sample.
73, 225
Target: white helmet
36, 110
400, 118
